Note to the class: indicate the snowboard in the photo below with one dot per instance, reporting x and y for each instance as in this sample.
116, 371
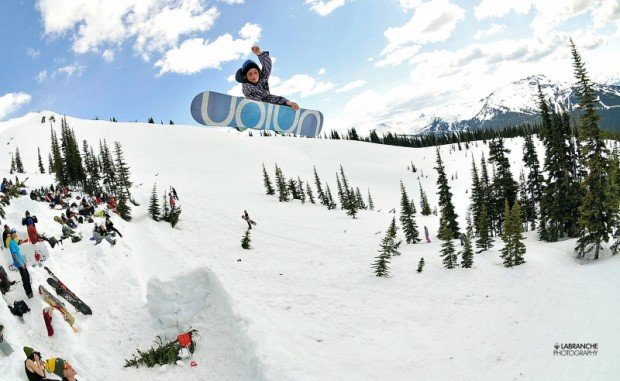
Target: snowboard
5, 347
63, 291
214, 109
60, 306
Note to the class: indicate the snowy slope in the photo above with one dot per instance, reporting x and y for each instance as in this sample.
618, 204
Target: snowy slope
303, 304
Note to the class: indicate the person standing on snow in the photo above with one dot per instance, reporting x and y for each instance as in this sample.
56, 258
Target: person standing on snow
255, 82
247, 219
30, 222
428, 237
20, 263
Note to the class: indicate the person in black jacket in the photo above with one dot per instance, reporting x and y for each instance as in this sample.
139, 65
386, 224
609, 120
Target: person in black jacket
109, 226
5, 235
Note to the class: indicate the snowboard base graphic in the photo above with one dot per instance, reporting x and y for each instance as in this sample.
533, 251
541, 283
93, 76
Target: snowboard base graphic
214, 109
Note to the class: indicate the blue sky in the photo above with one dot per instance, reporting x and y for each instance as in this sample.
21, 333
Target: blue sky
359, 61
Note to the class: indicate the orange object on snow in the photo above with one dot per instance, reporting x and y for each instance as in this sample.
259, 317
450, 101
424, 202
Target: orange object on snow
185, 339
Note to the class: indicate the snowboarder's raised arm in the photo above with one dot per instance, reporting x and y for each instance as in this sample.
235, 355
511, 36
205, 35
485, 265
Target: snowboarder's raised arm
265, 62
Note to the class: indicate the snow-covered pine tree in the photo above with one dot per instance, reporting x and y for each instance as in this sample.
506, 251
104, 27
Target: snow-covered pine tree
309, 193
445, 198
246, 240
425, 208
154, 210
534, 182
122, 172
371, 204
516, 219
467, 254
123, 209
300, 190
319, 189
448, 252
40, 162
330, 203
360, 199
292, 188
283, 192
504, 185
341, 196
12, 169
596, 214
392, 231
407, 217
174, 215
484, 241
386, 251
267, 181
420, 265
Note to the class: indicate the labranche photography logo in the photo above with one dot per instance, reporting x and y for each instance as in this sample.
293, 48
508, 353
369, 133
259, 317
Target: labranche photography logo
575, 349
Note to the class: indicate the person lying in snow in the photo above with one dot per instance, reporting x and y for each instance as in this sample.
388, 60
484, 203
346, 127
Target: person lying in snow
99, 233
255, 82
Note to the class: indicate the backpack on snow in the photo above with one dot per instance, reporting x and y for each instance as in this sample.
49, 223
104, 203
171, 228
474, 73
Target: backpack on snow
19, 308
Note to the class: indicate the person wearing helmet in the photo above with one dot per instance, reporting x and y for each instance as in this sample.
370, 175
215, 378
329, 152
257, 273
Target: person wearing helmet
255, 81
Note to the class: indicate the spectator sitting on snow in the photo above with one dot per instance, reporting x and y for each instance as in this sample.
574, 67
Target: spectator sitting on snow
68, 221
112, 203
34, 365
61, 368
99, 233
5, 234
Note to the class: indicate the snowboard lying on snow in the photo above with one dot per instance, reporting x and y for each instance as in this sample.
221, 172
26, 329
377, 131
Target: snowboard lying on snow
57, 304
215, 109
63, 291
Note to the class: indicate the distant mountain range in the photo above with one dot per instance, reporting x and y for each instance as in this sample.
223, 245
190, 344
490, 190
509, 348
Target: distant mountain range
512, 104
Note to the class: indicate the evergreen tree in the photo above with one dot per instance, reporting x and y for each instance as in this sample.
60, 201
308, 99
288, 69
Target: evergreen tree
514, 248
477, 193
504, 186
41, 168
123, 209
50, 164
484, 241
445, 199
321, 196
267, 181
245, 241
360, 200
596, 213
467, 254
165, 214
173, 217
122, 172
407, 217
12, 169
388, 249
424, 205
309, 193
292, 189
19, 166
341, 196
154, 210
57, 159
330, 203
614, 179
283, 192
420, 265
348, 196
300, 190
534, 182
508, 249
371, 205
107, 168
448, 252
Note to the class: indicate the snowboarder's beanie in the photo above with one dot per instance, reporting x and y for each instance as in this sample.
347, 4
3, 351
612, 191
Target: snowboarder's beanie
28, 351
55, 365
241, 73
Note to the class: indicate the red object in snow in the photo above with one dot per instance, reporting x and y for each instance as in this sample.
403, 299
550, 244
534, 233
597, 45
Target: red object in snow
193, 364
185, 339
47, 318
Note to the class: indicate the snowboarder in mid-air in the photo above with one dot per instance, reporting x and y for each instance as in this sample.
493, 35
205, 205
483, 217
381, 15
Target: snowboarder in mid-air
255, 82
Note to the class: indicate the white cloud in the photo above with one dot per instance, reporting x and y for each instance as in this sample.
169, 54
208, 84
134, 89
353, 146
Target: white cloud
154, 26
198, 54
432, 21
301, 84
11, 102
409, 4
322, 71
324, 8
232, 1
351, 85
500, 8
549, 15
33, 53
108, 55
608, 11
492, 30
70, 70
42, 76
